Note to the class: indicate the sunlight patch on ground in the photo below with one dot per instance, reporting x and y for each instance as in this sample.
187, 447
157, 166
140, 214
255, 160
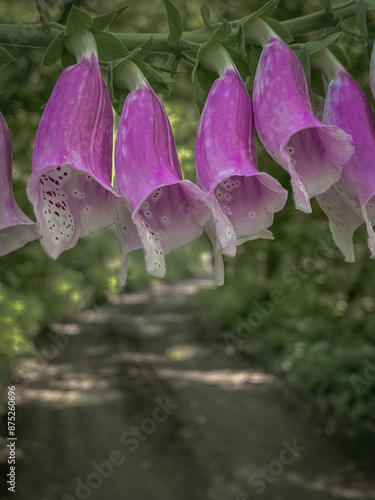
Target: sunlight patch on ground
227, 379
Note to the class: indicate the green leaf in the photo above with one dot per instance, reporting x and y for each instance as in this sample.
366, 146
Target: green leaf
205, 78
234, 40
142, 51
54, 51
360, 16
280, 30
303, 56
173, 62
200, 97
77, 19
264, 12
326, 4
222, 33
166, 73
118, 14
102, 22
154, 78
341, 55
175, 24
253, 57
44, 14
109, 47
5, 56
206, 14
67, 59
240, 62
322, 43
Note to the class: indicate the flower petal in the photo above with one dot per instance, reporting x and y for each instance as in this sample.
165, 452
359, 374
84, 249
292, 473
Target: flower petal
311, 152
72, 164
16, 229
227, 166
169, 213
348, 108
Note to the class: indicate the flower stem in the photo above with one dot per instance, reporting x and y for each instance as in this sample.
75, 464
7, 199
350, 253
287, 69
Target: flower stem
34, 36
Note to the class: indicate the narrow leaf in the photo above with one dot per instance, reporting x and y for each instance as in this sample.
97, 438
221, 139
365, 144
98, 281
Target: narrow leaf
142, 51
77, 19
118, 14
303, 56
360, 16
266, 11
280, 29
205, 78
175, 24
5, 56
54, 51
240, 62
173, 62
200, 97
206, 14
102, 22
326, 4
67, 59
154, 78
44, 14
222, 33
109, 47
338, 52
316, 45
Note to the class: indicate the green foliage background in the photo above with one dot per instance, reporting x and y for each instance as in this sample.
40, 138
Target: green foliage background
320, 330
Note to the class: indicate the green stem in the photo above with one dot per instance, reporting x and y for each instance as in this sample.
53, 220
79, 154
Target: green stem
33, 35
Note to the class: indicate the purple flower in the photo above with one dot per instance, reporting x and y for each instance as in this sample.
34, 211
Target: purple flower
70, 188
16, 229
311, 152
227, 165
351, 201
168, 212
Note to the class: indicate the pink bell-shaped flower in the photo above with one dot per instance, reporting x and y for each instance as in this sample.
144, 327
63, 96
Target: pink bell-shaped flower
351, 201
311, 152
70, 187
227, 164
16, 229
168, 212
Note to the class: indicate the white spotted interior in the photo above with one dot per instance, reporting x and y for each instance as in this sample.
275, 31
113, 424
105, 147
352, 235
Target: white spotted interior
247, 204
168, 219
71, 204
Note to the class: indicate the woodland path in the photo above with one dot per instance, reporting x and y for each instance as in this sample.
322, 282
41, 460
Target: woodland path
140, 403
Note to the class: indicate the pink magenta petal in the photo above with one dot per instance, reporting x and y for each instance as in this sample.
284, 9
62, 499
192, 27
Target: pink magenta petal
70, 188
16, 229
351, 202
168, 212
311, 152
227, 167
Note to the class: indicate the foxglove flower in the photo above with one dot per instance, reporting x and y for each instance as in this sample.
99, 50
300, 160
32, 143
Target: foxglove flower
70, 188
351, 201
16, 229
226, 159
168, 212
311, 152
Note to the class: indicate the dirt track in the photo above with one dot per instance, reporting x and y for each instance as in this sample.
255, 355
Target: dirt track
137, 404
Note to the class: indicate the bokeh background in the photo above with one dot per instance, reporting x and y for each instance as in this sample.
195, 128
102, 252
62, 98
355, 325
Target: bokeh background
319, 331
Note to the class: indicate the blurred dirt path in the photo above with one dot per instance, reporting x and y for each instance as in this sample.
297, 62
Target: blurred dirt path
137, 403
